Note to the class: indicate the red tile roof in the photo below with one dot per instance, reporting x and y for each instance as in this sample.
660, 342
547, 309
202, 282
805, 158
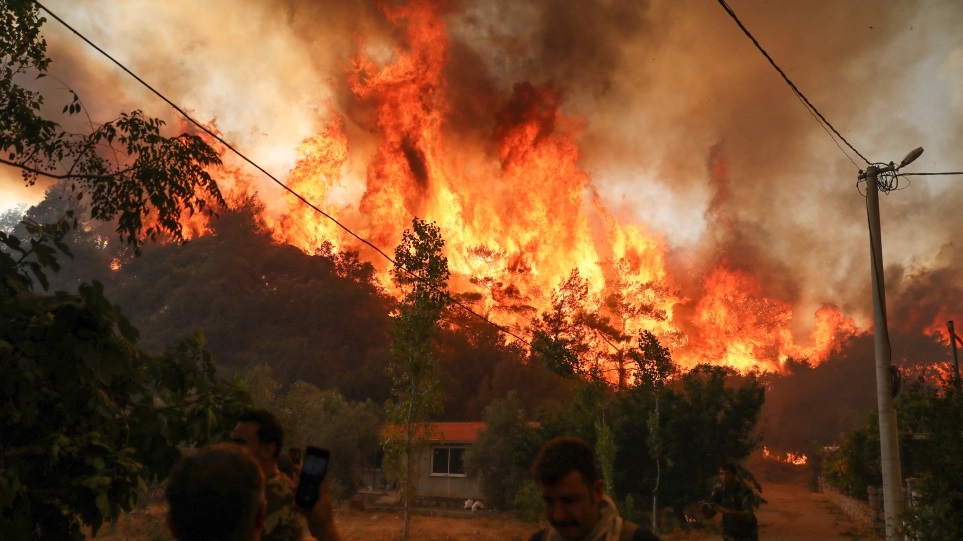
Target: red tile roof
464, 432
456, 432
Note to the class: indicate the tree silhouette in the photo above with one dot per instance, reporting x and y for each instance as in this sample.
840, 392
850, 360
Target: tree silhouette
421, 272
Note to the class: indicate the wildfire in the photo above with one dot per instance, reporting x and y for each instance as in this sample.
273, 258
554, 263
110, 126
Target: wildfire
518, 212
789, 458
939, 327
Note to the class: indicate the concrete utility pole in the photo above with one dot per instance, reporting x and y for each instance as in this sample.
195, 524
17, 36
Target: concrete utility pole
888, 434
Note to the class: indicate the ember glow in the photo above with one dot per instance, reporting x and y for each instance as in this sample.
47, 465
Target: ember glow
648, 147
789, 458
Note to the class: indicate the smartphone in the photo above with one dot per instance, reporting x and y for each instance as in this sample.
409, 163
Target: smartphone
312, 473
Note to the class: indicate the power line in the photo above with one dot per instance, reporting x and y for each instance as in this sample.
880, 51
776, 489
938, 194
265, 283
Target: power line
788, 81
932, 174
221, 140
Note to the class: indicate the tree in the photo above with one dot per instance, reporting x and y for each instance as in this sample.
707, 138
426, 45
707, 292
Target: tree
258, 301
421, 272
626, 304
259, 383
126, 168
605, 449
501, 456
349, 430
707, 417
88, 418
855, 464
654, 368
562, 338
930, 419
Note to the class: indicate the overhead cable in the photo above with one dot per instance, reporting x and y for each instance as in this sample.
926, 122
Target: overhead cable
788, 81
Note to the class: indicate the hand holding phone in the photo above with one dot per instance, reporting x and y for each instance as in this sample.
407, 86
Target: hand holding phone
312, 474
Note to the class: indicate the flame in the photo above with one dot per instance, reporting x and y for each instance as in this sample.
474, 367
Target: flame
738, 326
322, 158
517, 211
933, 375
939, 327
797, 459
832, 331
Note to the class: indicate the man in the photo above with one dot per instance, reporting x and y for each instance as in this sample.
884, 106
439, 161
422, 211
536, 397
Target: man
261, 434
736, 502
216, 495
575, 504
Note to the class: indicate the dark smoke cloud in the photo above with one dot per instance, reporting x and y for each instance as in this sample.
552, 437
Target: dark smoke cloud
665, 89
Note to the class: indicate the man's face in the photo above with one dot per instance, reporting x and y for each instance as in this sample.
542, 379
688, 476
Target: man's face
571, 506
245, 434
727, 477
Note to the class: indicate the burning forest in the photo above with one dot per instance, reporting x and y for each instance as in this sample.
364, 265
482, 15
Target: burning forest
628, 158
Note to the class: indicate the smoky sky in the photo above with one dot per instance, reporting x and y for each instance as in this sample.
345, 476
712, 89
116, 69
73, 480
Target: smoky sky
664, 91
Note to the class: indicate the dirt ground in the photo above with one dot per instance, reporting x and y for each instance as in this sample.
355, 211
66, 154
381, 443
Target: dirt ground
796, 514
792, 513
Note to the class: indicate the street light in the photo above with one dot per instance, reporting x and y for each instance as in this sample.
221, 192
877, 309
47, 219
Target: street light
888, 434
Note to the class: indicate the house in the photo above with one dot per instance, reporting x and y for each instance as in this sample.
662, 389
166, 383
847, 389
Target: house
441, 466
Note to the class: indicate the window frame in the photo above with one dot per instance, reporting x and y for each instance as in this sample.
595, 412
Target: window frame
448, 449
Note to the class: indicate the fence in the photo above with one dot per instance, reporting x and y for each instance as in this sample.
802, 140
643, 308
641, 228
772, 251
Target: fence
864, 514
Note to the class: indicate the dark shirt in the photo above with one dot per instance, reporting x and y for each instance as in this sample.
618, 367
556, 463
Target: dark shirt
739, 498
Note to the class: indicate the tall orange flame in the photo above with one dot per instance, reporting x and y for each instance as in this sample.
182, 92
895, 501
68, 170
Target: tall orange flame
520, 213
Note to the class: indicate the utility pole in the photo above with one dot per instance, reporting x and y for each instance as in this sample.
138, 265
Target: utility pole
888, 434
956, 361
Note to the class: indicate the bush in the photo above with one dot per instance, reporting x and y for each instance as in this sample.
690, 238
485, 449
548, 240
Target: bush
933, 517
528, 502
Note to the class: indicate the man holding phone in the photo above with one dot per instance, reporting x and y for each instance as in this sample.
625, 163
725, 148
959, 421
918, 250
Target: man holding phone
261, 434
218, 493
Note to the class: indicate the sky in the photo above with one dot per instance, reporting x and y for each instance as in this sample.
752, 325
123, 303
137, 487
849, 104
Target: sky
686, 128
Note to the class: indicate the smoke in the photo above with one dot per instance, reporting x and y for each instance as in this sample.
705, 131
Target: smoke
686, 128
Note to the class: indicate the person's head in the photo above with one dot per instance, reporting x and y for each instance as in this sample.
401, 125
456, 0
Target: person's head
570, 486
261, 434
729, 474
216, 494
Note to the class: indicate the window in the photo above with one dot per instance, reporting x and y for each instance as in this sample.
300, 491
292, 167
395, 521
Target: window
448, 461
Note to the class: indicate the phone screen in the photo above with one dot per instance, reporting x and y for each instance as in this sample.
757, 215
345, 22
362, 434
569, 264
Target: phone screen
315, 465
312, 474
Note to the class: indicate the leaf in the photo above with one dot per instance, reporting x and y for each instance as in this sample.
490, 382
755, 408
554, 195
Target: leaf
96, 482
103, 504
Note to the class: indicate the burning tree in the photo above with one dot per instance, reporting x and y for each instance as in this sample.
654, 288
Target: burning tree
421, 272
562, 337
